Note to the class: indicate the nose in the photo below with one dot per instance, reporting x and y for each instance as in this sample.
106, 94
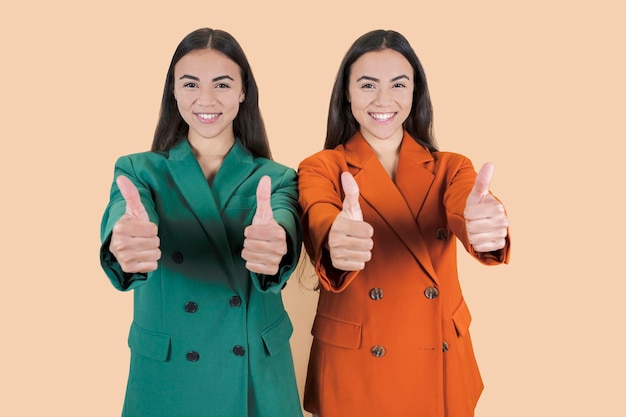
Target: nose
206, 97
383, 97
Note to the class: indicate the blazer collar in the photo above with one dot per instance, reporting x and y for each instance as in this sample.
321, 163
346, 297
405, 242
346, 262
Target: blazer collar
359, 152
236, 167
403, 199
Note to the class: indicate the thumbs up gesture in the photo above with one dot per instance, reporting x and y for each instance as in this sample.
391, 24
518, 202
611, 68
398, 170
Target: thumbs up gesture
485, 218
134, 240
350, 238
265, 241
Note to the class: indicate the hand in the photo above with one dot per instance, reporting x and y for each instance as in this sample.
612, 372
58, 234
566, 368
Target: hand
350, 238
134, 241
485, 218
265, 241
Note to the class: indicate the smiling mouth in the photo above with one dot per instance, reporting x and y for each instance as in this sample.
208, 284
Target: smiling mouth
208, 117
382, 117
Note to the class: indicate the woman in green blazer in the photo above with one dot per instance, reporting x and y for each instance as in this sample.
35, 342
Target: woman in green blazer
204, 228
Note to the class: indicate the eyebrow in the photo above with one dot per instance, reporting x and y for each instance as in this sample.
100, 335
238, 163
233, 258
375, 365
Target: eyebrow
193, 77
366, 77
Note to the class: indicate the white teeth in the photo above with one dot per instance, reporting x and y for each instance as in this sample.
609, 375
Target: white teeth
208, 116
382, 117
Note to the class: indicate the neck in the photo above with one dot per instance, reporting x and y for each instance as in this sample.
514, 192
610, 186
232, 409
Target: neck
385, 148
211, 148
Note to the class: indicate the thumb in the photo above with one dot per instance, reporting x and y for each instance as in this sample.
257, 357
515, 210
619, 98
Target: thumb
264, 213
481, 185
134, 208
351, 200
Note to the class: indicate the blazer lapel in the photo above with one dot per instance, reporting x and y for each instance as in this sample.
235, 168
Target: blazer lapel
413, 178
401, 202
190, 180
237, 166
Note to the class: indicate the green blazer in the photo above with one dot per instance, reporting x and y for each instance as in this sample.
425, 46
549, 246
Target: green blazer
208, 338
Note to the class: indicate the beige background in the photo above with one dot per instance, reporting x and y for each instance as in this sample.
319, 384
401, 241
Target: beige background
537, 87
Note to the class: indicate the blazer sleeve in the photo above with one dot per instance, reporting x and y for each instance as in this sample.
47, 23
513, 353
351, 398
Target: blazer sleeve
115, 209
321, 201
460, 185
284, 202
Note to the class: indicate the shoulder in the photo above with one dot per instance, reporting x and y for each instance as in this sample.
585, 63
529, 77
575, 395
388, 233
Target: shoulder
144, 167
450, 160
142, 158
331, 159
451, 167
273, 169
270, 166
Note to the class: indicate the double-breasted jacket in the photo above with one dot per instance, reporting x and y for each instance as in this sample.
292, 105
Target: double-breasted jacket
208, 337
392, 339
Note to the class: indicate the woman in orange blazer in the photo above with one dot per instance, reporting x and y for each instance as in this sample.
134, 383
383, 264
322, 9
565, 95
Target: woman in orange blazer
381, 208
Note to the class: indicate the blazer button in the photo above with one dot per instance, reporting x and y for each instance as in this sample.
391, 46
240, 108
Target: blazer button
441, 233
378, 351
193, 356
177, 257
235, 301
431, 292
191, 307
376, 293
239, 350
445, 346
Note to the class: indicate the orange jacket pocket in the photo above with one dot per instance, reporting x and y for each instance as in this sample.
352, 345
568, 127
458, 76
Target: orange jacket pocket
336, 332
462, 319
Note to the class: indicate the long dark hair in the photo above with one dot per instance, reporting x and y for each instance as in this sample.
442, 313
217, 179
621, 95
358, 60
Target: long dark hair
342, 125
248, 126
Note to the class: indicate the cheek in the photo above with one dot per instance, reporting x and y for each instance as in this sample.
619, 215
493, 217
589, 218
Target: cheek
180, 105
357, 112
182, 99
358, 103
233, 102
406, 103
184, 108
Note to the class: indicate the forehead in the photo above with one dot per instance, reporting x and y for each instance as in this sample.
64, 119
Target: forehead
206, 62
383, 64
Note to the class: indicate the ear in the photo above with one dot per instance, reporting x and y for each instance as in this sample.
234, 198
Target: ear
242, 96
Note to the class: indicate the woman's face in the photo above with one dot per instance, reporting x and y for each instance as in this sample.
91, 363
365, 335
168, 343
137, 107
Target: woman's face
208, 90
380, 92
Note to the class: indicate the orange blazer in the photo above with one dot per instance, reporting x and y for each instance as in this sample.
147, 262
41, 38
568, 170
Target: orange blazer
393, 339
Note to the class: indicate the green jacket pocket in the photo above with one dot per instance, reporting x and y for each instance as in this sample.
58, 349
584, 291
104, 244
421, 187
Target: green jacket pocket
149, 344
276, 336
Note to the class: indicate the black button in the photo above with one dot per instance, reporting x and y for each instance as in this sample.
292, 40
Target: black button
378, 351
193, 356
235, 301
239, 350
191, 307
177, 257
441, 233
431, 292
445, 346
376, 293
